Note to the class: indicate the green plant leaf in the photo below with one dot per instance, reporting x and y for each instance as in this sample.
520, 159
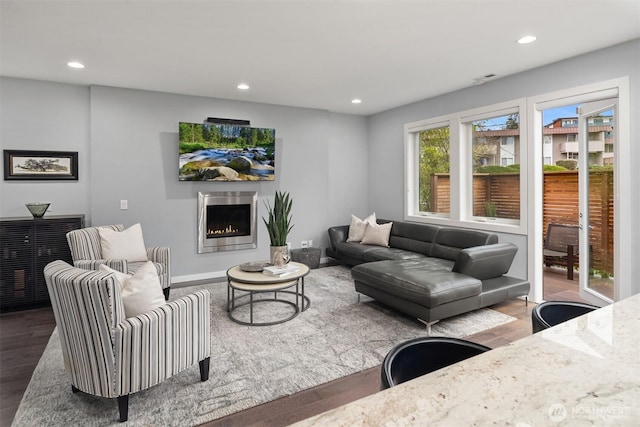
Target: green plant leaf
279, 218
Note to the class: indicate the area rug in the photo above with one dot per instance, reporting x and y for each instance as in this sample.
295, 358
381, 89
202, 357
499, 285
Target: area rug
250, 365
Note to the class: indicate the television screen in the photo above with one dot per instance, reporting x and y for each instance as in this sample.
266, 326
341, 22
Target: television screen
224, 152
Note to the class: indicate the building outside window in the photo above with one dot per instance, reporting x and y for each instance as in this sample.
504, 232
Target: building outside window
495, 177
563, 134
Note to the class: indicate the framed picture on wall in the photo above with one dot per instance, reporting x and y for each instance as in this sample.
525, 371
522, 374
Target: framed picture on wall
40, 165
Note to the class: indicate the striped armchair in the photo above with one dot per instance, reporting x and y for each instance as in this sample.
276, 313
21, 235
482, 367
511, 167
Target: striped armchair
108, 355
86, 253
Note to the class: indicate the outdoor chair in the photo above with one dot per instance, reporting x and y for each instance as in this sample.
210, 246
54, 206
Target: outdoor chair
561, 246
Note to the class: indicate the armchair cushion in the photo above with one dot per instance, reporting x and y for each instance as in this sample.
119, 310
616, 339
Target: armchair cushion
86, 251
85, 243
141, 292
127, 244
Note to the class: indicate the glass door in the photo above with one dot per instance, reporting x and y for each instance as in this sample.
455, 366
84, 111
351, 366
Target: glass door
597, 147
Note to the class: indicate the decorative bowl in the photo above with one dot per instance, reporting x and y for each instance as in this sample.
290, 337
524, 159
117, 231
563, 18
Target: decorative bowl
254, 266
37, 209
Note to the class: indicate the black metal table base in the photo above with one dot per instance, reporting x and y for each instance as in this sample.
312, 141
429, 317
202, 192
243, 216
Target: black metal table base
301, 303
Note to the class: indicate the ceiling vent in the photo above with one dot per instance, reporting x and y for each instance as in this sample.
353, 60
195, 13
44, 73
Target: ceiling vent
484, 79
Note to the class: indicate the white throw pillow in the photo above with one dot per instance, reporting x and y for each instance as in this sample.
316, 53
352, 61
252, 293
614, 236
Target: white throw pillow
127, 244
141, 292
358, 227
377, 234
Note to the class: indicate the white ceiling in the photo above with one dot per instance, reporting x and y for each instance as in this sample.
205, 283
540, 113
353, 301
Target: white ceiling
315, 54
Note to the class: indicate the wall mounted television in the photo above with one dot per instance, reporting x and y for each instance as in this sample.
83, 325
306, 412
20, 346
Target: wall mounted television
226, 152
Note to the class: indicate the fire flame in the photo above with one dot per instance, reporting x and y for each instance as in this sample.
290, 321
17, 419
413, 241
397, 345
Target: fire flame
229, 229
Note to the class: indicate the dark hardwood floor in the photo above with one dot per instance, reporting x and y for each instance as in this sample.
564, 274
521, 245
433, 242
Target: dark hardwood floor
24, 335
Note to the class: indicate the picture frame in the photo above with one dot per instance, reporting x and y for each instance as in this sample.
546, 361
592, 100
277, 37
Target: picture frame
40, 165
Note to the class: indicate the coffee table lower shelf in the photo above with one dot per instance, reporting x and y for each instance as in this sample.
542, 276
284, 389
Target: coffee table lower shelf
234, 302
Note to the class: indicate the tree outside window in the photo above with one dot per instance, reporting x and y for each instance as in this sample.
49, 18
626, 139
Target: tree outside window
433, 160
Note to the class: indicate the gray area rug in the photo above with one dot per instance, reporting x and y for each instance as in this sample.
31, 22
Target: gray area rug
250, 365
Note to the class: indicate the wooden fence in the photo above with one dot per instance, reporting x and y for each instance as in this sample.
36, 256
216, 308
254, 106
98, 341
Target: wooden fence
560, 204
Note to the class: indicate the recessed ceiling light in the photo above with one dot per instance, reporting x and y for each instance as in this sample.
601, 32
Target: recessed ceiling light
356, 101
243, 86
75, 64
527, 39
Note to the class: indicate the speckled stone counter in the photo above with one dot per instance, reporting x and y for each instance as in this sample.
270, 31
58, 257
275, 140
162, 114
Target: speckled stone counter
583, 372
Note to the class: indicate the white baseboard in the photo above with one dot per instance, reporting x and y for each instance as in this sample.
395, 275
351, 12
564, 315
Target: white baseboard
212, 275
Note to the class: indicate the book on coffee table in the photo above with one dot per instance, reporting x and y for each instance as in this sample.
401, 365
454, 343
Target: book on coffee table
280, 271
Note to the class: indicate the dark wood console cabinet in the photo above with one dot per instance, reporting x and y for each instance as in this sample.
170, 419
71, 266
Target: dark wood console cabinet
26, 246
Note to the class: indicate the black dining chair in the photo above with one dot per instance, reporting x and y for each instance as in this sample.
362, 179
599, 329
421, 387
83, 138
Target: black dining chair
551, 313
419, 356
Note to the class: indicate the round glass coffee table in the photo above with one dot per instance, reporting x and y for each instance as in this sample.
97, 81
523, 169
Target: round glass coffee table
252, 283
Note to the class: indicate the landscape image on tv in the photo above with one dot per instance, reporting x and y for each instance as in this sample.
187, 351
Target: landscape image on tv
222, 152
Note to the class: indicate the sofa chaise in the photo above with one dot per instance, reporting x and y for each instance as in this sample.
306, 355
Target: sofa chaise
430, 272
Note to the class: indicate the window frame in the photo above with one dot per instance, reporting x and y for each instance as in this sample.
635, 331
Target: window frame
412, 165
461, 172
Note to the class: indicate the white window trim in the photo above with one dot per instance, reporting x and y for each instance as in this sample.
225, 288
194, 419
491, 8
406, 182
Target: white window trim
623, 220
461, 175
494, 224
411, 153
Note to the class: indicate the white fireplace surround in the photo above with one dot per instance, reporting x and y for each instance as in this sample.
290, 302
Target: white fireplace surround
207, 243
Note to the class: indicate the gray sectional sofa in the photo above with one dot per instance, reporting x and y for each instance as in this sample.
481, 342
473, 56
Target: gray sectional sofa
430, 272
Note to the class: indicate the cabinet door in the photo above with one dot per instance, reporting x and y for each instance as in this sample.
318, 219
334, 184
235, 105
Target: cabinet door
16, 278
50, 244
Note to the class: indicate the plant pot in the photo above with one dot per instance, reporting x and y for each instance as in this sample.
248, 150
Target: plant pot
279, 256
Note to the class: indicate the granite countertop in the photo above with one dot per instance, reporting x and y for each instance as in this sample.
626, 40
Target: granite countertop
582, 372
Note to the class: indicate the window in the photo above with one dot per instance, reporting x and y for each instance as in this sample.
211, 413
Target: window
496, 179
434, 166
572, 137
547, 150
506, 161
464, 168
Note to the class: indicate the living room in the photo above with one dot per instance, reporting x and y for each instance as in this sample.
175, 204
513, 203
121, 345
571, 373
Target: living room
333, 163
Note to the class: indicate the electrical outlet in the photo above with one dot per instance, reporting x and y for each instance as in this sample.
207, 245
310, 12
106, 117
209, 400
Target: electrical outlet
304, 244
124, 205
289, 247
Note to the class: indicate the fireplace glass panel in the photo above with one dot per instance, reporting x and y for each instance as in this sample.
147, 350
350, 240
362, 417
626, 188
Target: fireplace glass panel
228, 221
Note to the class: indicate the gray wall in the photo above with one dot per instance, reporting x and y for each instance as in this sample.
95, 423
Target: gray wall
386, 132
332, 164
127, 144
44, 116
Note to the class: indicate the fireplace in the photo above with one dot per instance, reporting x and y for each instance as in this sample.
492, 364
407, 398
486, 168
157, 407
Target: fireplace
227, 221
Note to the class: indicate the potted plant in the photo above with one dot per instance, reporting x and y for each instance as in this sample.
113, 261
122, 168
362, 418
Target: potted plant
279, 225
